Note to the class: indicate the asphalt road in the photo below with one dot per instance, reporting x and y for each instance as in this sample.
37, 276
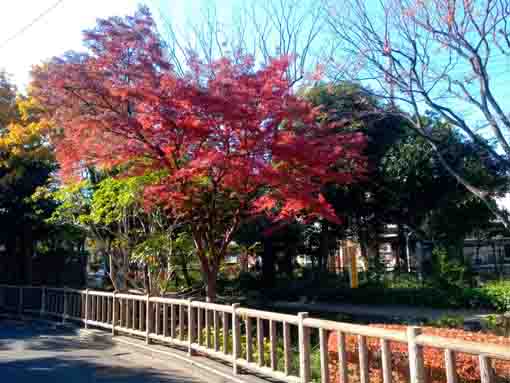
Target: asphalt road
31, 353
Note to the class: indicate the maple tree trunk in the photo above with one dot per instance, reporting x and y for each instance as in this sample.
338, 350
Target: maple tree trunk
210, 268
211, 285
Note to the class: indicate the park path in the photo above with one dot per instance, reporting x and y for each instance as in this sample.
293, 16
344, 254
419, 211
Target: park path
400, 312
31, 352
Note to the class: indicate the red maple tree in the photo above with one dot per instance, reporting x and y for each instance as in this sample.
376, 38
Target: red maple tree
230, 141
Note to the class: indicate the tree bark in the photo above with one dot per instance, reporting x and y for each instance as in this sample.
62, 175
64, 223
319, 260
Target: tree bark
212, 284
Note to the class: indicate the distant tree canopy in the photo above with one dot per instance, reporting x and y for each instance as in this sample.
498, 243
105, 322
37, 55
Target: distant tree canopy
406, 184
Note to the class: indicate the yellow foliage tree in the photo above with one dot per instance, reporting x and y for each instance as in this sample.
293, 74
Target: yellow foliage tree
23, 139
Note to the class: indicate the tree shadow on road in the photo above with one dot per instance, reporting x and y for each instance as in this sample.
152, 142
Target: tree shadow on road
81, 370
43, 337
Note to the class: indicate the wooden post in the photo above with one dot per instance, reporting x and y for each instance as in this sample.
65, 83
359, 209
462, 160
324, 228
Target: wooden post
173, 320
416, 364
364, 376
20, 302
43, 301
134, 315
64, 313
207, 314
181, 322
225, 333
451, 370
260, 341
249, 342
104, 309
386, 360
323, 345
158, 318
121, 312
486, 373
165, 320
342, 358
216, 325
199, 326
272, 342
97, 308
287, 356
114, 314
141, 315
108, 306
304, 349
236, 338
191, 326
87, 303
147, 319
351, 250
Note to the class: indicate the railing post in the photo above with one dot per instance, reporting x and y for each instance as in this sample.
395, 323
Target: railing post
323, 349
147, 319
386, 361
191, 326
114, 316
342, 358
451, 371
43, 300
486, 373
20, 302
304, 349
64, 313
86, 308
416, 364
236, 338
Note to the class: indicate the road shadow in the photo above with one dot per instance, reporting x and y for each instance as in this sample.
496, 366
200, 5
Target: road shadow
81, 370
42, 337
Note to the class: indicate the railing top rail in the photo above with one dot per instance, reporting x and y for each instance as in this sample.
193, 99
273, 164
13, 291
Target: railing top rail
77, 291
349, 328
292, 319
13, 287
104, 293
62, 289
491, 350
173, 301
212, 306
126, 296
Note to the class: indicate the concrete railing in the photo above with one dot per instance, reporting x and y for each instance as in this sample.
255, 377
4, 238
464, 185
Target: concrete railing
233, 333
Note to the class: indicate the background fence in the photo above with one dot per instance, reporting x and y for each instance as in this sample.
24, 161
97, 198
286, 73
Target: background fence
272, 344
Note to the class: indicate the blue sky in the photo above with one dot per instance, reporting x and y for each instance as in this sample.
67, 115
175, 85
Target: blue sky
61, 29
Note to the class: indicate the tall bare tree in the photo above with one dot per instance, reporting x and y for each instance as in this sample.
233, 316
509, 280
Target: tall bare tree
261, 28
439, 55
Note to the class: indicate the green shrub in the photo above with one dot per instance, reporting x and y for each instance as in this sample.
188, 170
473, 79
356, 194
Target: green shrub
448, 272
498, 294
